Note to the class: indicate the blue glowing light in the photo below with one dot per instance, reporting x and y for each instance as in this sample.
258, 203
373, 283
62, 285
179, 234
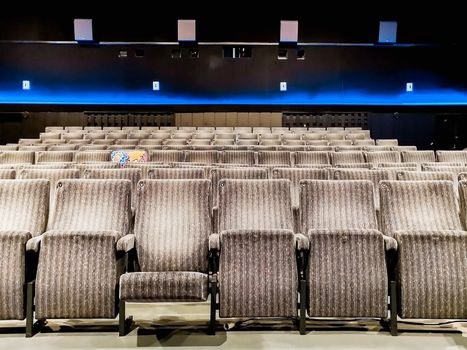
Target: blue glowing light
418, 98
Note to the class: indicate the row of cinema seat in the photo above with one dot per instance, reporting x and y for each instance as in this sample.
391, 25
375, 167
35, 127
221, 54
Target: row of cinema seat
156, 145
254, 262
247, 157
136, 172
194, 129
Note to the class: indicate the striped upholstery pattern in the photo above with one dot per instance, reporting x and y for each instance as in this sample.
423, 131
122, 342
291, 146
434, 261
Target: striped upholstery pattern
418, 156
295, 175
347, 157
233, 173
176, 173
23, 214
169, 286
238, 157
134, 175
6, 174
33, 148
455, 170
347, 274
12, 273
311, 158
97, 165
54, 156
206, 157
425, 176
452, 156
432, 274
418, 205
16, 157
337, 205
172, 225
66, 147
77, 274
375, 176
92, 205
404, 166
463, 202
274, 157
92, 156
383, 157
387, 142
254, 204
166, 156
257, 274
53, 175
24, 205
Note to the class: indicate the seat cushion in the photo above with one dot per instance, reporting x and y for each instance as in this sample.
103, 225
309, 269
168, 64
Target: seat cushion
432, 274
347, 274
12, 274
77, 274
257, 274
170, 286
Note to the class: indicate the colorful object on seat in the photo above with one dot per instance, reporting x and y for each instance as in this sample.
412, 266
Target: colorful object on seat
123, 157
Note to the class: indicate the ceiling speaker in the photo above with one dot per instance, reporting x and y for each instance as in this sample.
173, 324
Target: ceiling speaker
387, 32
289, 31
83, 29
186, 30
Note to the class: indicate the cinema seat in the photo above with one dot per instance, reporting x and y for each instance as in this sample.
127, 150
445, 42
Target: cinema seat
23, 214
338, 158
16, 157
55, 156
452, 156
91, 156
82, 253
274, 158
383, 157
418, 156
347, 272
256, 246
171, 254
422, 216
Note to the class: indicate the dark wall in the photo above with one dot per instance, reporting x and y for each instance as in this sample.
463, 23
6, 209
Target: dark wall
66, 76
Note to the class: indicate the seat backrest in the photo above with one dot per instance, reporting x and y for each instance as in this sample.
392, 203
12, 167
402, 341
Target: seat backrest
7, 174
16, 157
244, 173
387, 142
92, 205
311, 157
53, 175
295, 175
54, 156
347, 157
92, 156
418, 156
426, 176
166, 156
347, 204
206, 157
452, 169
366, 142
24, 205
463, 202
173, 224
274, 157
452, 156
132, 174
418, 205
254, 204
238, 157
383, 157
373, 175
176, 173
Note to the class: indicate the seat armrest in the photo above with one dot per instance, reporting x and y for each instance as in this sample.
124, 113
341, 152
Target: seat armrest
390, 243
34, 244
214, 242
302, 242
126, 243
